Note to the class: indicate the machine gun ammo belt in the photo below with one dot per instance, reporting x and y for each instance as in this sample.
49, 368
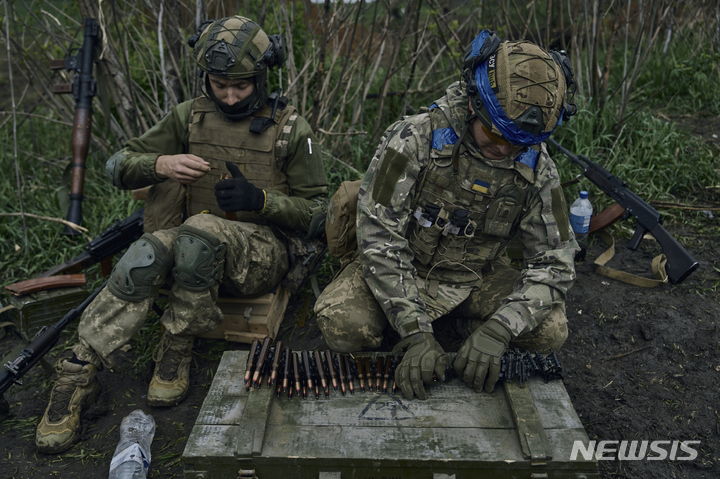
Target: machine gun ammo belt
307, 373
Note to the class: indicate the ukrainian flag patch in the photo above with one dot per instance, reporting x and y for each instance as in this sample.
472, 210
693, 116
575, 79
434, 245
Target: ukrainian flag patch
480, 186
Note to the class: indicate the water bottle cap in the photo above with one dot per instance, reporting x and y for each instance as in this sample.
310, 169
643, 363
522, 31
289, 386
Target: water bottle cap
583, 194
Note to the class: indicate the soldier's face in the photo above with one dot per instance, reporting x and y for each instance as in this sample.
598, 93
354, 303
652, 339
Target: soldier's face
491, 146
231, 91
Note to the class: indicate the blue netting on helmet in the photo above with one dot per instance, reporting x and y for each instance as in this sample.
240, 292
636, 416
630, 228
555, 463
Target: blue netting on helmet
507, 127
478, 42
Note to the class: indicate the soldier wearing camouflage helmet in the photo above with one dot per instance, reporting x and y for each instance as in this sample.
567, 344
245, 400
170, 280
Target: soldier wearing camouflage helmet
202, 233
444, 194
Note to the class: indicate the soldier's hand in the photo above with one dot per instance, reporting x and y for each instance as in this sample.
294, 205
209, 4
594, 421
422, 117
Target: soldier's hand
478, 360
183, 168
424, 357
237, 193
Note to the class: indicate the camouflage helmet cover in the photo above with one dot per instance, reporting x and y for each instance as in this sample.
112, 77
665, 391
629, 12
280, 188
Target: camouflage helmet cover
519, 91
237, 48
233, 47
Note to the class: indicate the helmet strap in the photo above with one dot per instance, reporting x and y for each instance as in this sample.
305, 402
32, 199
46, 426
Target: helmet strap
479, 111
456, 150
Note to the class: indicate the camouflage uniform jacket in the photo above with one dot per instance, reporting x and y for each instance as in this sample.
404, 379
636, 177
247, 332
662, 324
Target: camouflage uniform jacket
305, 185
516, 196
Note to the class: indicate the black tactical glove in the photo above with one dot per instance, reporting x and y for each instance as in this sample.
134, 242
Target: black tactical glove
478, 361
424, 357
237, 193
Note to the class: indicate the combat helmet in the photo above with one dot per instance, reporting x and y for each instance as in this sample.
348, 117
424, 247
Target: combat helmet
518, 90
236, 47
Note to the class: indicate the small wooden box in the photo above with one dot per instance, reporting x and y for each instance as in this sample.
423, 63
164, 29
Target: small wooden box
251, 318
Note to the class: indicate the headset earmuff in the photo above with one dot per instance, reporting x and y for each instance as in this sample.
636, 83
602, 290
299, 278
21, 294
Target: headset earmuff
276, 54
470, 64
196, 36
563, 61
491, 43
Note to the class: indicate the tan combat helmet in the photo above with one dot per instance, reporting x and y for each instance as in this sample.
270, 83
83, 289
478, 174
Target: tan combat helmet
518, 90
236, 47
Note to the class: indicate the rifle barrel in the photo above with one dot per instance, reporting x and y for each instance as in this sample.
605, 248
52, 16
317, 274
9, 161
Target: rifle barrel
560, 148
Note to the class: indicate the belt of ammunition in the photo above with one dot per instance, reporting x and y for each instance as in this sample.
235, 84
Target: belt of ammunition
306, 372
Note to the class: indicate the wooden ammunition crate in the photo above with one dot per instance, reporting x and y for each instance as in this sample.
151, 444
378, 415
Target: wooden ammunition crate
251, 318
515, 432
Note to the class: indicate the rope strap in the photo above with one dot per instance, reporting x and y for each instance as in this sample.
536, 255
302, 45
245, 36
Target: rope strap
658, 266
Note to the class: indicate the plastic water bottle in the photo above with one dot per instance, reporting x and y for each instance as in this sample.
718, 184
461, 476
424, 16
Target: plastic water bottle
580, 213
132, 454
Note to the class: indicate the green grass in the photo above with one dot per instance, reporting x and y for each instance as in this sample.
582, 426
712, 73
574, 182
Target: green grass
43, 162
683, 80
24, 427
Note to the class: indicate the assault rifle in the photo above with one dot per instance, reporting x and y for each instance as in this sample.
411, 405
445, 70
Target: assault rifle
114, 239
83, 89
680, 263
40, 346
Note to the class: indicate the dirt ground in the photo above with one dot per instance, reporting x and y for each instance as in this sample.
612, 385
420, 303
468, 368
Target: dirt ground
640, 364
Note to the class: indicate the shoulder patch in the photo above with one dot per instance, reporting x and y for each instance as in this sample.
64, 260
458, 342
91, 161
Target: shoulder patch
529, 158
442, 137
392, 167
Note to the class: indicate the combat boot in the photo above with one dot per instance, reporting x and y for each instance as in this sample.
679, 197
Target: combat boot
75, 388
171, 380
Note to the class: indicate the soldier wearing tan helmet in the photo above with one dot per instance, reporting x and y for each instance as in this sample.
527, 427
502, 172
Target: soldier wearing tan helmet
276, 195
444, 194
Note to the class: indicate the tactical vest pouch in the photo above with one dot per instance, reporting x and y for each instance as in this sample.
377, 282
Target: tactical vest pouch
340, 225
425, 235
451, 248
217, 139
503, 211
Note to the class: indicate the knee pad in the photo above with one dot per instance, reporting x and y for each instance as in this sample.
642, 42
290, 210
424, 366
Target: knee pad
133, 275
199, 259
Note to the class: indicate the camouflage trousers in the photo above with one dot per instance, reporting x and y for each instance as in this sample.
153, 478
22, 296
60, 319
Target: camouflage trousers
255, 262
351, 319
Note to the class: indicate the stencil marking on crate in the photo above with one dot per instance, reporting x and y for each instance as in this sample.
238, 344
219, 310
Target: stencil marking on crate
386, 408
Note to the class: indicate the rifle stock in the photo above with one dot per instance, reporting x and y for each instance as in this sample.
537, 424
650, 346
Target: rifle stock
40, 346
680, 263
